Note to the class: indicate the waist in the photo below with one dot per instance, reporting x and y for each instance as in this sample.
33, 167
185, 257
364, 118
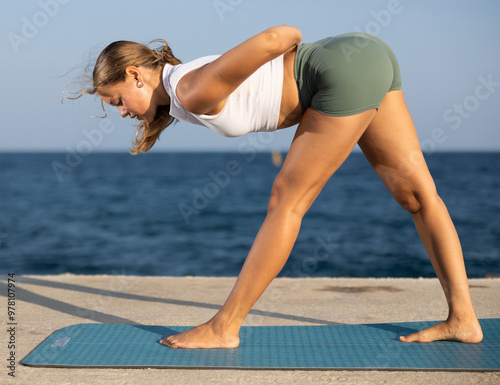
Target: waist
290, 108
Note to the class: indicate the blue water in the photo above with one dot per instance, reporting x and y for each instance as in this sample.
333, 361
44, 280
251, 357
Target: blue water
198, 213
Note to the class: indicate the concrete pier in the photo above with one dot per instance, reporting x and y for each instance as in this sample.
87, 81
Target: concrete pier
47, 303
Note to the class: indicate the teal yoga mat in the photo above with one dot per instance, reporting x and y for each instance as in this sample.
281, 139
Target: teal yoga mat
367, 346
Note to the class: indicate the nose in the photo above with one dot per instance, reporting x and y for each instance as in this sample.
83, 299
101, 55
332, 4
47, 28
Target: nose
123, 111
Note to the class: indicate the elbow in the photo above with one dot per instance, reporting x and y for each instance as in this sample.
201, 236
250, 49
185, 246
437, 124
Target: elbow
296, 35
281, 39
273, 42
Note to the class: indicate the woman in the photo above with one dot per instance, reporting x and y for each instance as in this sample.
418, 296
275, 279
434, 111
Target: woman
340, 91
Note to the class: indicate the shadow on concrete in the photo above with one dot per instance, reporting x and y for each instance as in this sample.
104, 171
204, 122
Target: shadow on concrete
65, 307
37, 299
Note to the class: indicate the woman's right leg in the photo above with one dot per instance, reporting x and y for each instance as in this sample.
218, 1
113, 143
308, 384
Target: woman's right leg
320, 146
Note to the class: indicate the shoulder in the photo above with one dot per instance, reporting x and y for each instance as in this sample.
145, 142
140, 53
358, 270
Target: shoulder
205, 88
173, 74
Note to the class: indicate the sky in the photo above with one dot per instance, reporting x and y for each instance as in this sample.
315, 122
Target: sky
448, 51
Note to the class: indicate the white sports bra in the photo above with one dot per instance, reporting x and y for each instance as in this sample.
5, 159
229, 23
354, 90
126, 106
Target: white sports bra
253, 106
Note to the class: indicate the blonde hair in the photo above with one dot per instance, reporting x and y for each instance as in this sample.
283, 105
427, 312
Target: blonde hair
110, 69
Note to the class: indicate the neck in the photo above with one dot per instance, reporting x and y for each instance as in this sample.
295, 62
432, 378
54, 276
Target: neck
159, 88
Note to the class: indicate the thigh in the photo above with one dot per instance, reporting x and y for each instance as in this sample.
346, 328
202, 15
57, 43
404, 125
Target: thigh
321, 144
391, 145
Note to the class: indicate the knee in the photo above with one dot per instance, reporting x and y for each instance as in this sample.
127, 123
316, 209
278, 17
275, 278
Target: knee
410, 201
284, 199
415, 201
278, 192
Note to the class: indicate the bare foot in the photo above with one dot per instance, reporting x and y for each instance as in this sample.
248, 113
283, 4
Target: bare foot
468, 331
202, 337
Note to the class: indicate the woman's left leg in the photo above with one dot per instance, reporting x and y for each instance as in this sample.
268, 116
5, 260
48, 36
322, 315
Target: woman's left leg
391, 145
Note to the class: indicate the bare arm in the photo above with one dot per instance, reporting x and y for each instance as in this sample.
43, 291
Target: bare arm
202, 90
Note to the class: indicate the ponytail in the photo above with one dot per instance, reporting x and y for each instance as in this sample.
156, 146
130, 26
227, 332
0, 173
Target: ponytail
110, 69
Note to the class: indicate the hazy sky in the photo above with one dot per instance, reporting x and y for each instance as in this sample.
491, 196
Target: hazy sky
448, 50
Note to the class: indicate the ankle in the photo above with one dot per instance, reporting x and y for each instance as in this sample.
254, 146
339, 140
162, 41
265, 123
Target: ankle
221, 323
460, 306
462, 314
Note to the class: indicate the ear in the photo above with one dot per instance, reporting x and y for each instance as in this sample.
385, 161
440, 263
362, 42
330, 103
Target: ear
134, 73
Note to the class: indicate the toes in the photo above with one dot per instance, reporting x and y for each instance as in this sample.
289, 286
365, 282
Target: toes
408, 338
169, 342
438, 332
414, 337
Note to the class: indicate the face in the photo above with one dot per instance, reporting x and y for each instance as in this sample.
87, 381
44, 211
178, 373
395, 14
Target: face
131, 100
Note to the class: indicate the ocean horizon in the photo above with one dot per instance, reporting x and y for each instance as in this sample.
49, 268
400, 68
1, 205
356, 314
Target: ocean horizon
197, 213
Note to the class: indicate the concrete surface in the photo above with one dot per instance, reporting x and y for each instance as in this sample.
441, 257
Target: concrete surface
47, 303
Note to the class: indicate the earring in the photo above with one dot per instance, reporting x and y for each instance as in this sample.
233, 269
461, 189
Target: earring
139, 84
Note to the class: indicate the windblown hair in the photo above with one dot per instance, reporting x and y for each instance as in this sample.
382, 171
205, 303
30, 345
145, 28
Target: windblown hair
110, 69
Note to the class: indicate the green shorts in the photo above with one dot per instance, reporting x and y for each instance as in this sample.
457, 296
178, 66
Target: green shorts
346, 74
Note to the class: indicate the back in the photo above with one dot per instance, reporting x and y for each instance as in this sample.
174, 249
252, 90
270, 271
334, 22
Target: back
253, 106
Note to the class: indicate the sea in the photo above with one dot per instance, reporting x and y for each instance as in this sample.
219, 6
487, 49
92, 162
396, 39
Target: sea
197, 214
